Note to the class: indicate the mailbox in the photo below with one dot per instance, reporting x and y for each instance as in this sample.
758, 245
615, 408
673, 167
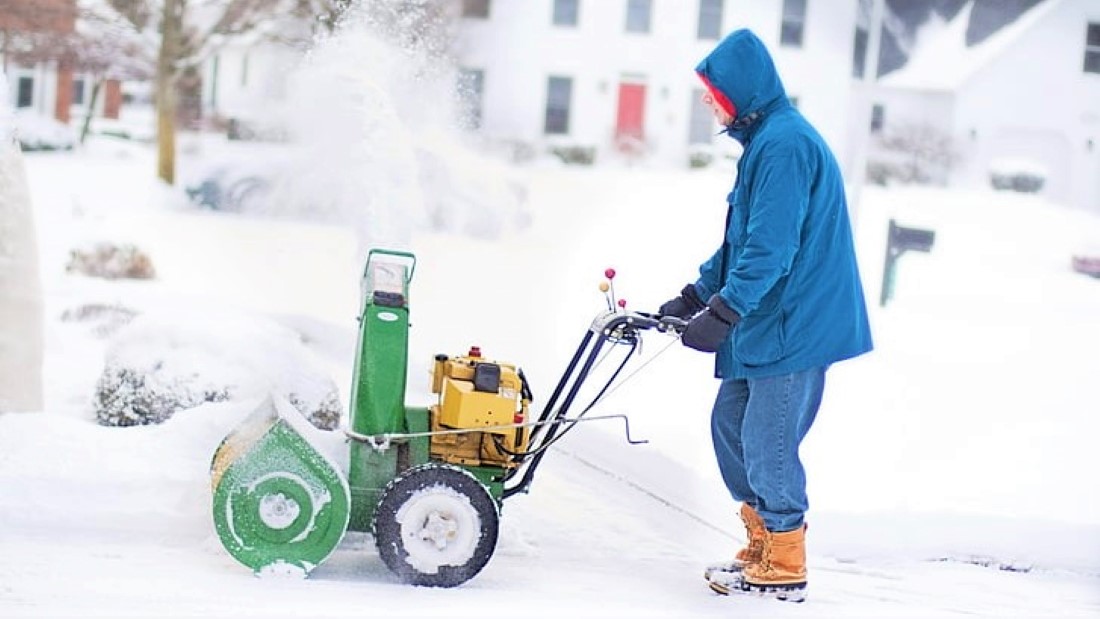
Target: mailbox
898, 241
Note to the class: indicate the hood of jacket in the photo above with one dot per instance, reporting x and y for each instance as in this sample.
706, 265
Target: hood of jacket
742, 70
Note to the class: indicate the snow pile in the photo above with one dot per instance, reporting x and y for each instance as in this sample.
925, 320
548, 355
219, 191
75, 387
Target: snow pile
159, 365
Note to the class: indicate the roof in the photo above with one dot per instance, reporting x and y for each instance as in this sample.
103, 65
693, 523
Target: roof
941, 59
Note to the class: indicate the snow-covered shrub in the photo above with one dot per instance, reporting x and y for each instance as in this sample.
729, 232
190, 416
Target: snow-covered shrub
34, 131
111, 261
914, 153
700, 159
1017, 175
127, 396
575, 155
159, 365
104, 320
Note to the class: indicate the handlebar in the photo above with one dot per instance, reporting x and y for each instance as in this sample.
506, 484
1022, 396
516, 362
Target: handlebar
609, 322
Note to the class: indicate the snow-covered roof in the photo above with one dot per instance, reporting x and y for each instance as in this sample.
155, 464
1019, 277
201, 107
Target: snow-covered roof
943, 61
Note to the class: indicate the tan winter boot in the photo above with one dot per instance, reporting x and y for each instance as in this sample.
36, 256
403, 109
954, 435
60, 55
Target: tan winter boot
754, 532
781, 571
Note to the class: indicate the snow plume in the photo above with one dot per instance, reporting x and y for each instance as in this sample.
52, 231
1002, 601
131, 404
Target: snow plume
359, 105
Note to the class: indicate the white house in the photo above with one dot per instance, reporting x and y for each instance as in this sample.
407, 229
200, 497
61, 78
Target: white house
1028, 93
613, 76
618, 75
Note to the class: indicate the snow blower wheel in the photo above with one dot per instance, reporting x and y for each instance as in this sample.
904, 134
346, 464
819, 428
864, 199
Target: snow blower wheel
436, 526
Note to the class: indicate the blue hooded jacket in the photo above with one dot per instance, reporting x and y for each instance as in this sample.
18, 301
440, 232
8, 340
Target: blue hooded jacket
788, 264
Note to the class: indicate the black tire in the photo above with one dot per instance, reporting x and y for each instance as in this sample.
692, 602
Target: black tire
436, 526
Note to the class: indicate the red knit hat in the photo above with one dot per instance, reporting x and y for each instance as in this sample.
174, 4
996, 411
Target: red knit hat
719, 97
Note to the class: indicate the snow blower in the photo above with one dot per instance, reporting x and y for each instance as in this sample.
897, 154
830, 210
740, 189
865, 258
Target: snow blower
428, 483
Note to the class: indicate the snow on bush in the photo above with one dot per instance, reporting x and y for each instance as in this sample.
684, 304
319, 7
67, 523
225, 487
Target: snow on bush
104, 320
111, 261
34, 131
159, 365
1020, 175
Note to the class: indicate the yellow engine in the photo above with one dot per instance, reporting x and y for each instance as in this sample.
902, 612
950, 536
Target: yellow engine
486, 397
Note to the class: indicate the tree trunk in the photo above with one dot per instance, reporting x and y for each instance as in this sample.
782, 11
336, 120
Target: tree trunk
96, 87
21, 338
166, 92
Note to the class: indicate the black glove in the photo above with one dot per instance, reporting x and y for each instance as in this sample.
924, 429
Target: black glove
708, 330
684, 306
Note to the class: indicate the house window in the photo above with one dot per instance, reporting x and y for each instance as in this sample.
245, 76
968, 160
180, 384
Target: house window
470, 86
859, 53
565, 12
701, 127
1092, 49
78, 91
794, 20
559, 93
637, 15
475, 8
878, 117
710, 19
24, 96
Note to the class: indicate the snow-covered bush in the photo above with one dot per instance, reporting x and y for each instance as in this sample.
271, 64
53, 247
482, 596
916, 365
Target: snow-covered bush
159, 365
575, 154
103, 320
912, 153
34, 131
699, 158
111, 261
1017, 175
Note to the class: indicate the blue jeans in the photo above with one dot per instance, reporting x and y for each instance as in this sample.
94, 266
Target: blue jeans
757, 425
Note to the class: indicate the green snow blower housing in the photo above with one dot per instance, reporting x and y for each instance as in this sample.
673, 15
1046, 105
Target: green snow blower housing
428, 483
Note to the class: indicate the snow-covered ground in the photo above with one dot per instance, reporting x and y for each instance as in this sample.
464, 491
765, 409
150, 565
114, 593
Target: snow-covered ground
951, 471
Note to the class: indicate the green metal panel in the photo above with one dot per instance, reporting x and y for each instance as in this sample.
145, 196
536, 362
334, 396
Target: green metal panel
279, 504
370, 470
490, 477
378, 388
418, 420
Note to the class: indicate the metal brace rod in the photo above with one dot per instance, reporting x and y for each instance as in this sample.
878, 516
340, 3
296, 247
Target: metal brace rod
382, 442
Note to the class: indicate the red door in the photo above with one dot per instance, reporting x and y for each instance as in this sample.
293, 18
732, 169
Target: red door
631, 118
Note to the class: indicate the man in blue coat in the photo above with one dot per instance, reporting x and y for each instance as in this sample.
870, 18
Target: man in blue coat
779, 301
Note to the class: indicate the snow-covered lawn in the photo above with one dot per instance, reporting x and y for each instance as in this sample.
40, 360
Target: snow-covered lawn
952, 471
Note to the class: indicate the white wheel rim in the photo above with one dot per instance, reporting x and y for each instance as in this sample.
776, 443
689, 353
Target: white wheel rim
439, 527
279, 511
